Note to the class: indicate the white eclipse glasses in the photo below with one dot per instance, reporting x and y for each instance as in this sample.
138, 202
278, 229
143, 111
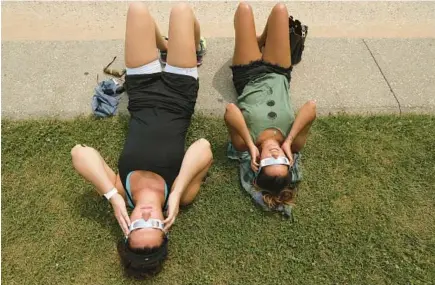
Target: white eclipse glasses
282, 160
149, 224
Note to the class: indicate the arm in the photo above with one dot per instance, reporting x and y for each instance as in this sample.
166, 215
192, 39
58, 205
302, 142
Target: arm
89, 164
239, 133
237, 127
304, 118
194, 167
298, 134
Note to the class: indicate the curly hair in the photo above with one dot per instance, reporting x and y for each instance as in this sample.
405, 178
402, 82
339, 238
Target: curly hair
275, 189
285, 197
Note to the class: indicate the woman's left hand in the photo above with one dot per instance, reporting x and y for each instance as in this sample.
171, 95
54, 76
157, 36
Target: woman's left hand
287, 148
120, 211
173, 208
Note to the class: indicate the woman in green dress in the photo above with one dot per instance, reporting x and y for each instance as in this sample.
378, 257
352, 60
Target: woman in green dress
262, 121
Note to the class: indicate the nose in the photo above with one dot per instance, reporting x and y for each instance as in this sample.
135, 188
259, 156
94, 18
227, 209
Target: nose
275, 154
146, 215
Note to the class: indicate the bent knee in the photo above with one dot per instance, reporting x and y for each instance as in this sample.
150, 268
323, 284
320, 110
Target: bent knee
79, 150
244, 8
181, 8
280, 8
138, 8
204, 143
76, 150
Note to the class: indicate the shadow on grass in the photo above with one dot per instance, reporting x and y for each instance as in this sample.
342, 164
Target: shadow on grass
90, 206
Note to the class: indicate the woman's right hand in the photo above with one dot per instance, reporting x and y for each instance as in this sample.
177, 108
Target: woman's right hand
120, 211
287, 148
255, 156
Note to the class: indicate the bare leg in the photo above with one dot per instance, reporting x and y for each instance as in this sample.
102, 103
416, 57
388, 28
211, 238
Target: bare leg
140, 36
196, 163
89, 164
246, 47
197, 34
161, 43
262, 38
277, 48
184, 37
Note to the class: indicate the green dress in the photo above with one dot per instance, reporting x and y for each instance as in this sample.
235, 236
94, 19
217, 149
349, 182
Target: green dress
265, 103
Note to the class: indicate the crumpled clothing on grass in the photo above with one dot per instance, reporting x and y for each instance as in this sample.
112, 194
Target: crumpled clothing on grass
106, 98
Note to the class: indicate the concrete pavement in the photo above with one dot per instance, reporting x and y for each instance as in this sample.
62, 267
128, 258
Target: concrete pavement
364, 58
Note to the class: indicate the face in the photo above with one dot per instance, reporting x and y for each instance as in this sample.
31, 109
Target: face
273, 149
146, 237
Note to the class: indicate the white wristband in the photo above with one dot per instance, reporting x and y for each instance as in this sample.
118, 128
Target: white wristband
110, 194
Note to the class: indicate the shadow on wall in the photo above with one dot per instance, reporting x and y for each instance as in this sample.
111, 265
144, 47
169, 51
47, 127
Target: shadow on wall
223, 83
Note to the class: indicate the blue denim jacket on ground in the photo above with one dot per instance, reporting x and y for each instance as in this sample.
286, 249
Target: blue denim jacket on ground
106, 98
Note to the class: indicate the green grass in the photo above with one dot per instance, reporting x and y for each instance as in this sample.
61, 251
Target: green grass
364, 215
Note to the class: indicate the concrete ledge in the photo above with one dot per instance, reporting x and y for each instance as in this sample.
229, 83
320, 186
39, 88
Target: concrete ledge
104, 20
41, 79
409, 68
47, 79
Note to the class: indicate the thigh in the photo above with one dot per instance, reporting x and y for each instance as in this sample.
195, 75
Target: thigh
246, 47
140, 38
277, 47
181, 44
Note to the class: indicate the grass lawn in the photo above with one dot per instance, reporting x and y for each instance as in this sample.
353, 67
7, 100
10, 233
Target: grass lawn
364, 215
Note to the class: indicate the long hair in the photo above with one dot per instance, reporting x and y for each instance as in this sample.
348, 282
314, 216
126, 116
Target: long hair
285, 197
275, 189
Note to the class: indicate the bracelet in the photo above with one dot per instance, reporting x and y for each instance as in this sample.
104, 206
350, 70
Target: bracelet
110, 194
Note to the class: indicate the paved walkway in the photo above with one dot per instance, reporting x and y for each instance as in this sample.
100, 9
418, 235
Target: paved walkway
363, 58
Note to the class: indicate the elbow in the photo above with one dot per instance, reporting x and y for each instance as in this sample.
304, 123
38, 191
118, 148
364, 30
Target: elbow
312, 106
230, 108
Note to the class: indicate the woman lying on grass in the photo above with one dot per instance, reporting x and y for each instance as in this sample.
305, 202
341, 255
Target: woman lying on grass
263, 122
154, 172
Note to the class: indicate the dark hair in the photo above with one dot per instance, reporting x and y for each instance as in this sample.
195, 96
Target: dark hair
141, 263
273, 184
